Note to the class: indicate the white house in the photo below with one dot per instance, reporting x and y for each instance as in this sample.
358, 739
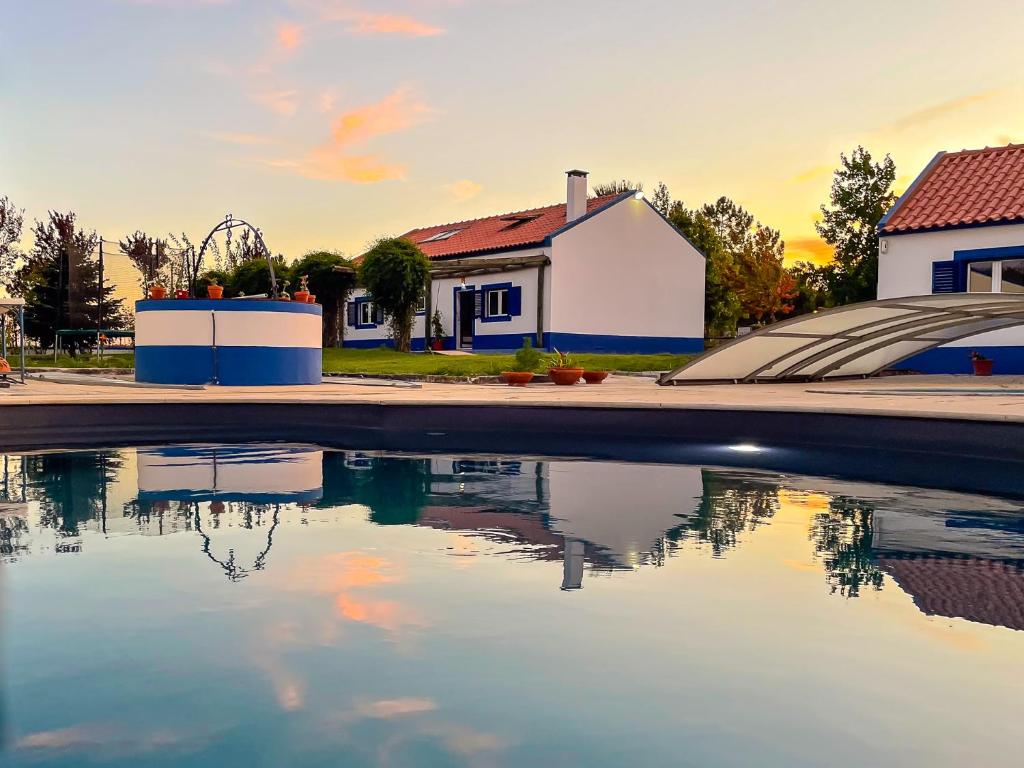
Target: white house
608, 274
959, 228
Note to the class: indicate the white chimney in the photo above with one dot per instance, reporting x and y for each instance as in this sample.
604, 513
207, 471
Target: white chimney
576, 195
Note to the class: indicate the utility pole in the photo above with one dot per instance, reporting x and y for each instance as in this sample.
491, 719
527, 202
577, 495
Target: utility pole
99, 300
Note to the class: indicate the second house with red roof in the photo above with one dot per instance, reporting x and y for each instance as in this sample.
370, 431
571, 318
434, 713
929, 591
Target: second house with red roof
602, 274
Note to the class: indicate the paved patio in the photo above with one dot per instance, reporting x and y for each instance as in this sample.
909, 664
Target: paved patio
999, 398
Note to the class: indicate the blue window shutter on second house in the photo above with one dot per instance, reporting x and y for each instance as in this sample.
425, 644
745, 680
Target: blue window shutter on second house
478, 304
515, 301
378, 315
351, 312
945, 277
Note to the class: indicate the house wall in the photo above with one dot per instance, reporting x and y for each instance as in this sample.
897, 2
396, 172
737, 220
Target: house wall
905, 269
625, 280
489, 334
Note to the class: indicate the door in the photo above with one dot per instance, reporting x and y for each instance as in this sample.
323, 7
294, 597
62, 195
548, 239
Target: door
467, 318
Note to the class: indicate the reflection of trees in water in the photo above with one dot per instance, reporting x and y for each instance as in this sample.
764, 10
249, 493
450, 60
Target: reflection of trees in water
12, 529
842, 539
729, 505
395, 489
71, 488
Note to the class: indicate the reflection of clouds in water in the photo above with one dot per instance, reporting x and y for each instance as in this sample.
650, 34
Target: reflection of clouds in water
109, 741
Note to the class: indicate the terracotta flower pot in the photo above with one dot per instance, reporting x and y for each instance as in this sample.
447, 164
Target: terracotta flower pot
517, 378
982, 367
437, 344
300, 296
594, 377
157, 292
311, 299
565, 376
181, 293
215, 291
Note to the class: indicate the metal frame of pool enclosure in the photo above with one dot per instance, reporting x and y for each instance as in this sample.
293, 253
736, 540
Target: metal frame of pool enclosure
14, 307
857, 340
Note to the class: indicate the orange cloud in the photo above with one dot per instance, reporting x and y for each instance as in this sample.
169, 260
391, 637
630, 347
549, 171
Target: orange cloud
289, 36
231, 137
928, 114
811, 174
366, 24
283, 103
463, 190
389, 708
388, 615
334, 160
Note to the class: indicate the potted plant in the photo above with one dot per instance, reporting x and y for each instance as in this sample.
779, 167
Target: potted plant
527, 360
157, 291
302, 295
214, 290
982, 365
436, 331
311, 299
181, 293
563, 369
594, 377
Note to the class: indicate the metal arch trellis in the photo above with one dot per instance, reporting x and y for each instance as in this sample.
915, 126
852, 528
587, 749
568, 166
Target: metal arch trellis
229, 223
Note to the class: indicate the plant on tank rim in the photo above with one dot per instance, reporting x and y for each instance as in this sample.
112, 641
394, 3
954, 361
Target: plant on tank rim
395, 271
563, 370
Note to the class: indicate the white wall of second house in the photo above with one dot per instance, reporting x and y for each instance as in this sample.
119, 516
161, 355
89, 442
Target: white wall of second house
905, 267
626, 272
443, 298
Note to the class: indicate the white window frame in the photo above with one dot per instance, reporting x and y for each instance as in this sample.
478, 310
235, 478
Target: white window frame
365, 309
502, 302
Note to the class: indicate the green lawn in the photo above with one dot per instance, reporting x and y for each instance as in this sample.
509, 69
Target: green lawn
386, 361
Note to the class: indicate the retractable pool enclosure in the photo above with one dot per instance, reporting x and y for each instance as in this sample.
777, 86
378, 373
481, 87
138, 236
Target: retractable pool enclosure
855, 340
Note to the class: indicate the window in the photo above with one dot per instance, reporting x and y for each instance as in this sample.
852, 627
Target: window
497, 302
441, 236
365, 316
1012, 276
979, 277
421, 307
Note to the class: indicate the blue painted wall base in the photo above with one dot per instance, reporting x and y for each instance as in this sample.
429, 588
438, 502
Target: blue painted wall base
229, 366
1005, 360
566, 342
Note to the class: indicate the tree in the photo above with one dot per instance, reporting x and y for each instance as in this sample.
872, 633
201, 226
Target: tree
188, 262
860, 196
661, 199
148, 255
394, 271
11, 221
812, 291
330, 286
722, 308
238, 252
60, 283
617, 187
252, 277
764, 286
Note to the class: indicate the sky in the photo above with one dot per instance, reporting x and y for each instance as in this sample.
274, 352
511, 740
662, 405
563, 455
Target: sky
328, 123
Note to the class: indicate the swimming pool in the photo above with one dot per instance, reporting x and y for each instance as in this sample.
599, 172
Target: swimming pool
275, 604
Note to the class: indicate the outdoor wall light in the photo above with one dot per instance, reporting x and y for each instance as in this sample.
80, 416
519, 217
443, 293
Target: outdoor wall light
746, 448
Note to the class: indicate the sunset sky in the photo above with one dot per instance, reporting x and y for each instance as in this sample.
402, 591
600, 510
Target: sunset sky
330, 122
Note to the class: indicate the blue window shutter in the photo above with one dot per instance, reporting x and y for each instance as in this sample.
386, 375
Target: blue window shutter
378, 315
944, 277
478, 304
515, 301
351, 311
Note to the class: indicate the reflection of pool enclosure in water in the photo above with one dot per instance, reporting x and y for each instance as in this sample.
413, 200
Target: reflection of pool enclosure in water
589, 516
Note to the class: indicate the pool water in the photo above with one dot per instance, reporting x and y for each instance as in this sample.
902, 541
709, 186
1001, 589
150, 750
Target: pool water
291, 605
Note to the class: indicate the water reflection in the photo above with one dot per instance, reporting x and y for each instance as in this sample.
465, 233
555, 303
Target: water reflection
311, 606
592, 516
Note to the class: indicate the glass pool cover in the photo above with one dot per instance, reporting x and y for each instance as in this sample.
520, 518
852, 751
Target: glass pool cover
291, 605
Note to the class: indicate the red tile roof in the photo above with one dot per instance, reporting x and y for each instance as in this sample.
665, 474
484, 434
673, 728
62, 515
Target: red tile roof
503, 231
976, 186
985, 591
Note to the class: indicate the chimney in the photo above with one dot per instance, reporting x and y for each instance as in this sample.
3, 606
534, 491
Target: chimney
576, 195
